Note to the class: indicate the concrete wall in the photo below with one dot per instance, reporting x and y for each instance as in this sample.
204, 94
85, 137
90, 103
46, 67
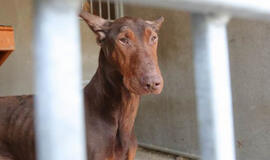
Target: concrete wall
169, 120
16, 74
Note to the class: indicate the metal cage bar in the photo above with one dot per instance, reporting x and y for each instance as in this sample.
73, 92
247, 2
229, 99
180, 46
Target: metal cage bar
109, 9
116, 8
91, 7
100, 8
59, 116
121, 8
213, 87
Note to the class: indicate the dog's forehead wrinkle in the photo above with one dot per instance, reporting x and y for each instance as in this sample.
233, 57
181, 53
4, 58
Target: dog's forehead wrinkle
134, 24
137, 26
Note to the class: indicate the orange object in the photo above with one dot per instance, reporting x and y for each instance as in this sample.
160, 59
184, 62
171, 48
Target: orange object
7, 44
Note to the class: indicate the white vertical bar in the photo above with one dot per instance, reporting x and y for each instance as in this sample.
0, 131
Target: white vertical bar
109, 9
213, 87
91, 7
100, 8
59, 116
116, 8
121, 8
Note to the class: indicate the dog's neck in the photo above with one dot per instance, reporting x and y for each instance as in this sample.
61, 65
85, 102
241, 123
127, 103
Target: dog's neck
107, 94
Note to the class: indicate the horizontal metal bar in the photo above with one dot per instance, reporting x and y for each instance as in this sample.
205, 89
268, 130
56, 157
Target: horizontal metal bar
239, 8
167, 150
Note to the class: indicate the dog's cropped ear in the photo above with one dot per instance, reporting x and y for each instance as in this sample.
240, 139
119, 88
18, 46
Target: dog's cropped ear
86, 7
97, 24
156, 24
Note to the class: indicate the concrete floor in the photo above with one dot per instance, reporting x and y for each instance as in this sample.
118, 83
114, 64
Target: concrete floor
145, 154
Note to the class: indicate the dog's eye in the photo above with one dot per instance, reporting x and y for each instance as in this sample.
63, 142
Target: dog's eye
154, 38
124, 41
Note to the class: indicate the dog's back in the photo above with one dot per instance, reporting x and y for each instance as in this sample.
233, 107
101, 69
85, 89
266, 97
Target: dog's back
16, 128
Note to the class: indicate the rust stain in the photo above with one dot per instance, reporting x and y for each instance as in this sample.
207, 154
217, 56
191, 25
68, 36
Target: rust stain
239, 144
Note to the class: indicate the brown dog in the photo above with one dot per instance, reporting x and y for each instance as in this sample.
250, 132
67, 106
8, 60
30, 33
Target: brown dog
128, 67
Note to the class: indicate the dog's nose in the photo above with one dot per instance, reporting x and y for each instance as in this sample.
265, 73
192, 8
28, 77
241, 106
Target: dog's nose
152, 83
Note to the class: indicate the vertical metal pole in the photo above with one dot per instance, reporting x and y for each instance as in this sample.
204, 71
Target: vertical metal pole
116, 8
59, 116
100, 8
91, 7
109, 9
121, 8
213, 87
